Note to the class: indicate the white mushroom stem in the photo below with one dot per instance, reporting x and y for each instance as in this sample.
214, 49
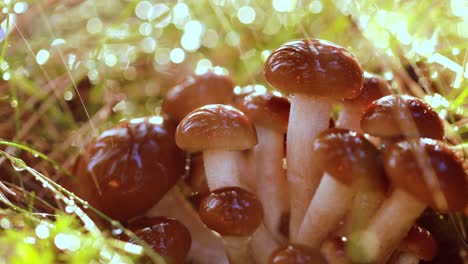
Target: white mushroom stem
389, 226
263, 244
271, 177
327, 208
206, 246
350, 118
366, 202
238, 249
222, 168
247, 169
307, 118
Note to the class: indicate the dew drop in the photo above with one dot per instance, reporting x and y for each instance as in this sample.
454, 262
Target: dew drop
18, 164
117, 231
70, 209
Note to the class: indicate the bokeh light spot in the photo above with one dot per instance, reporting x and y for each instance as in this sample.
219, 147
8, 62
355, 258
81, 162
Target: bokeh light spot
177, 55
284, 5
42, 56
246, 15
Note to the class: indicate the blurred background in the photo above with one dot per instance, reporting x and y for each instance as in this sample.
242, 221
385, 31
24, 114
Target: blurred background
71, 68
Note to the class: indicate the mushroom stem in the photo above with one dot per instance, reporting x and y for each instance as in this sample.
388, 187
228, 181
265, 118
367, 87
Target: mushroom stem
263, 244
308, 117
238, 249
350, 118
271, 177
247, 169
331, 202
389, 226
222, 168
366, 202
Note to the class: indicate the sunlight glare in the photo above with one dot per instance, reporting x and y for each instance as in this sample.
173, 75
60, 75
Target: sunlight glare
177, 55
42, 56
246, 15
143, 9
284, 5
203, 66
316, 6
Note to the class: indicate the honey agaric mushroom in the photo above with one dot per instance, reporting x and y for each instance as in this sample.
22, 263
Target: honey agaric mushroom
296, 254
316, 73
206, 246
235, 214
423, 172
374, 87
167, 236
269, 112
396, 116
418, 244
221, 132
195, 92
131, 165
348, 162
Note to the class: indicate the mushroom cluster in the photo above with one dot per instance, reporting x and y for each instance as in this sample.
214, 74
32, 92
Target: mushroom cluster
251, 176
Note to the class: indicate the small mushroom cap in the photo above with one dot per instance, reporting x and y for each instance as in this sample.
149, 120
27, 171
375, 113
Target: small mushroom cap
314, 67
403, 169
374, 87
231, 211
347, 156
216, 127
165, 235
420, 242
129, 167
268, 109
386, 117
296, 254
209, 88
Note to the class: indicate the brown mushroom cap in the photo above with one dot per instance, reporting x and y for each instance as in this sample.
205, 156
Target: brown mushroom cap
231, 211
401, 165
267, 109
209, 88
374, 87
314, 67
347, 156
296, 254
167, 236
386, 118
420, 242
216, 127
129, 167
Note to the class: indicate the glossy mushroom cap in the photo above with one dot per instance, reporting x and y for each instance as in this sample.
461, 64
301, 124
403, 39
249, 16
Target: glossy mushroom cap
420, 242
389, 117
197, 91
374, 87
402, 164
231, 211
268, 109
296, 254
347, 156
128, 168
216, 127
314, 67
166, 236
